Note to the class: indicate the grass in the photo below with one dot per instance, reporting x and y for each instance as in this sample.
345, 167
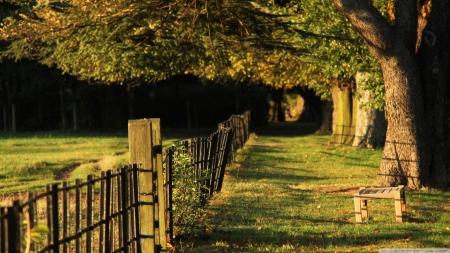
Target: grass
289, 191
29, 161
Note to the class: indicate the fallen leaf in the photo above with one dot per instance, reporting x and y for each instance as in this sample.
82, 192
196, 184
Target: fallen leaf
170, 247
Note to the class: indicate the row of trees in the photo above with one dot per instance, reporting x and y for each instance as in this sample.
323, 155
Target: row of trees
34, 97
399, 46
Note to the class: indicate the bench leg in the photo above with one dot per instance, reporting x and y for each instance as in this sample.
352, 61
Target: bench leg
399, 203
364, 211
403, 205
358, 215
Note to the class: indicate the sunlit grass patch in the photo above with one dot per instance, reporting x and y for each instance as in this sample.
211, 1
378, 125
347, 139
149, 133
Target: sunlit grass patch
291, 192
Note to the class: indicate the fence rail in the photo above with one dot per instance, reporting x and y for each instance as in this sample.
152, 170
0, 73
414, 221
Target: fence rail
105, 213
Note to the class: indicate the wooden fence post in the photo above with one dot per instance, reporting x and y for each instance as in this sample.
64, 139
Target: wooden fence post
140, 147
160, 208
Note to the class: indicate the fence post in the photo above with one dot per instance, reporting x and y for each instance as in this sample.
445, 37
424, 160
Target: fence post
140, 147
158, 169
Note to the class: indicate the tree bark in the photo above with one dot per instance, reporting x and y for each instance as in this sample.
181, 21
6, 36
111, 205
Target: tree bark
406, 155
344, 126
370, 131
326, 118
276, 112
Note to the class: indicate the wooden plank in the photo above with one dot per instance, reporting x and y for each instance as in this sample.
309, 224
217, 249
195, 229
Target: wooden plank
137, 223
89, 212
169, 188
119, 194
14, 222
124, 207
55, 218
114, 204
3, 211
65, 215
140, 149
398, 207
132, 218
107, 215
102, 239
358, 215
225, 157
78, 215
158, 169
32, 207
48, 209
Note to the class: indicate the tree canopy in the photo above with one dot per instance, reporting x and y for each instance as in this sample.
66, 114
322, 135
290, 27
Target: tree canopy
274, 43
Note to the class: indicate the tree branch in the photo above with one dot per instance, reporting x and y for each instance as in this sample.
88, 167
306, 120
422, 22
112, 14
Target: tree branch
373, 28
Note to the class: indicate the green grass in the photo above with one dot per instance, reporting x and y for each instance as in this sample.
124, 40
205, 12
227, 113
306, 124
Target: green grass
29, 161
289, 191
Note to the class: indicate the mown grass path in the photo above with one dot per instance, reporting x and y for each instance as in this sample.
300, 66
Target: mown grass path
289, 191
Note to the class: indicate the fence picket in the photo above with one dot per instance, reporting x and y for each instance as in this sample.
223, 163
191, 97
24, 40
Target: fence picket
78, 215
32, 213
107, 211
14, 222
55, 218
102, 239
65, 215
124, 202
137, 223
3, 238
169, 186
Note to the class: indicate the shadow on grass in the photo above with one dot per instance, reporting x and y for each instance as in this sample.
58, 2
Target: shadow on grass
257, 239
275, 176
286, 129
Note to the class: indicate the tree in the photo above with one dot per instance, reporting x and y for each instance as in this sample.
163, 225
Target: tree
415, 83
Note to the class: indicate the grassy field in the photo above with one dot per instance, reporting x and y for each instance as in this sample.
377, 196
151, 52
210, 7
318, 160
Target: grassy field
29, 161
289, 191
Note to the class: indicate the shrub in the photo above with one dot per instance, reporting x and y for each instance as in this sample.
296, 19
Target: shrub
187, 193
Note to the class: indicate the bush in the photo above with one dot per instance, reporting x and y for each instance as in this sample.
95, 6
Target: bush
187, 193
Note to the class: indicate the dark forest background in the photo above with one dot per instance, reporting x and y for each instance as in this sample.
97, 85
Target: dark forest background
36, 98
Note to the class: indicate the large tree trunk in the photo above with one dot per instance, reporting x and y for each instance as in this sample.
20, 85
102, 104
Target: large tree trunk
344, 126
371, 124
276, 112
406, 155
326, 118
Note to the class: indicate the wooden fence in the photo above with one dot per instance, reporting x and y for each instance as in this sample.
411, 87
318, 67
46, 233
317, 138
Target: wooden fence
210, 156
122, 210
79, 217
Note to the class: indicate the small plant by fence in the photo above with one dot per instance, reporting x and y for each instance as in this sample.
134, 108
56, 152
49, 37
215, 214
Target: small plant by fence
122, 210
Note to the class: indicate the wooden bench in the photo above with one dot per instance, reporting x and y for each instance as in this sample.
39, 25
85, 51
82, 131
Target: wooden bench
396, 193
